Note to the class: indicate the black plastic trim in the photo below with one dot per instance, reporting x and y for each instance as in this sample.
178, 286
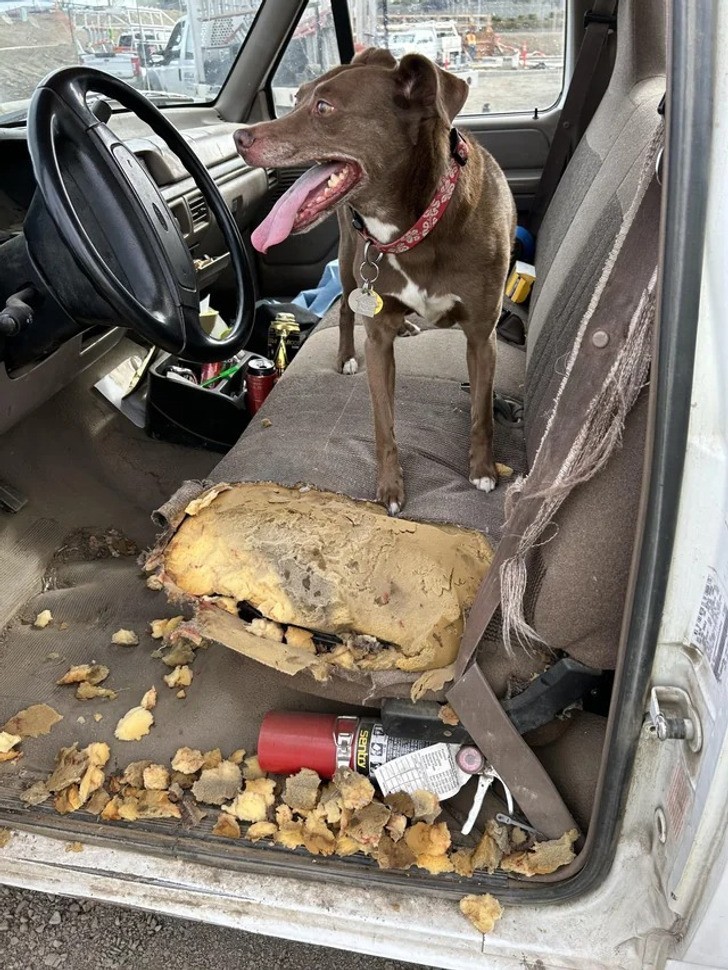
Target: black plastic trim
342, 26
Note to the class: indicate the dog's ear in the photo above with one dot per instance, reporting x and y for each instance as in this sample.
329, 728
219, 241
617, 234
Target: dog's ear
374, 57
423, 85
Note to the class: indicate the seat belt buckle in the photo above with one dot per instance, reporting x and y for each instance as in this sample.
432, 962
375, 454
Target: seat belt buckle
522, 278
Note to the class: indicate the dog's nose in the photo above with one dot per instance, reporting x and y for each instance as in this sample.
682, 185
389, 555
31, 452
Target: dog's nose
244, 139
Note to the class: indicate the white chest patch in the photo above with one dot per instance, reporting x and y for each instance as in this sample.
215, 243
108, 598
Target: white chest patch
430, 308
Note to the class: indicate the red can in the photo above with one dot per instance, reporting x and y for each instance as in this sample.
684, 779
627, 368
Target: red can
289, 741
260, 379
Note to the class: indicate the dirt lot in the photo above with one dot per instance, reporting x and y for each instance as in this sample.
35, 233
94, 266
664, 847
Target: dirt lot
39, 932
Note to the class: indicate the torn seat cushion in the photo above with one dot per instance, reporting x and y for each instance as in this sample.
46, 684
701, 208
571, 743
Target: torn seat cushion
266, 566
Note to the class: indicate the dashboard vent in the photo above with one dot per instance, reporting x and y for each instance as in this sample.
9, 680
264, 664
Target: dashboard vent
198, 209
285, 177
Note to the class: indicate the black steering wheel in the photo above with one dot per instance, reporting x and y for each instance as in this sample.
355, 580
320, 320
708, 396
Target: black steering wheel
113, 220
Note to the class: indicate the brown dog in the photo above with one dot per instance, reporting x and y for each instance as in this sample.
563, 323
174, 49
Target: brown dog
381, 132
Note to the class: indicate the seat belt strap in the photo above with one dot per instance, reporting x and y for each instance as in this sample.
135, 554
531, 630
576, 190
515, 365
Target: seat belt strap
572, 123
472, 697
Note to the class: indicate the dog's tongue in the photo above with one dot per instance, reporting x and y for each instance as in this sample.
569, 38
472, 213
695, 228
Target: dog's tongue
278, 224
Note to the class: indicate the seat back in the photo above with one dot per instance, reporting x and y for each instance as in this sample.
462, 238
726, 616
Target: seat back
578, 579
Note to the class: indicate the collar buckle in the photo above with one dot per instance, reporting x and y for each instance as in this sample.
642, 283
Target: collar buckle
458, 147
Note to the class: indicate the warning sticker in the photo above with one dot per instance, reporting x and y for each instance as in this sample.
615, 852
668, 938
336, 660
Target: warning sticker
430, 769
678, 800
710, 630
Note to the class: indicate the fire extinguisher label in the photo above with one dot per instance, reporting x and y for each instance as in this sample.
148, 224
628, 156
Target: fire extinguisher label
375, 748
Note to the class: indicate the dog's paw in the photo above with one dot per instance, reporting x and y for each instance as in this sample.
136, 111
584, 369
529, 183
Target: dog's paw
485, 483
391, 495
409, 329
349, 366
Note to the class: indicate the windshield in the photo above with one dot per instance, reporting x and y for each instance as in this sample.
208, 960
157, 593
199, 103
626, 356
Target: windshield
173, 53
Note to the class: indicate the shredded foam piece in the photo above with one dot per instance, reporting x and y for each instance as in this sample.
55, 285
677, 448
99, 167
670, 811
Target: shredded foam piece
290, 835
85, 673
543, 858
125, 638
426, 840
188, 760
447, 715
162, 628
217, 785
89, 692
426, 806
134, 773
155, 778
212, 758
237, 757
301, 791
482, 911
367, 825
149, 700
356, 790
252, 769
180, 677
318, 837
226, 826
180, 655
462, 862
43, 619
434, 864
261, 830
134, 725
394, 855
8, 741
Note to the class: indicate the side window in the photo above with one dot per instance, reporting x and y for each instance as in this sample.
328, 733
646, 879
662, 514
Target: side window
511, 52
312, 51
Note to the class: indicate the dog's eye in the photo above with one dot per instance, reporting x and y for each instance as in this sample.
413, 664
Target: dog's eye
324, 108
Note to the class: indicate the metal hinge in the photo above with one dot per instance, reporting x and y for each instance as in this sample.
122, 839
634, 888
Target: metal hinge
672, 717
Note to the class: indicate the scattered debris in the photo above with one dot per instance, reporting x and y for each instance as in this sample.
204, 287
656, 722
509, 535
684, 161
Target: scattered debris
356, 790
73, 847
248, 807
237, 757
125, 638
85, 674
187, 760
134, 725
302, 790
155, 778
366, 826
180, 677
300, 639
266, 423
5, 836
267, 629
8, 741
180, 654
90, 692
543, 858
447, 715
226, 826
181, 694
36, 794
134, 774
43, 619
318, 837
211, 759
163, 628
261, 830
504, 471
207, 498
218, 785
252, 769
155, 583
33, 721
428, 840
426, 806
482, 911
394, 855
149, 700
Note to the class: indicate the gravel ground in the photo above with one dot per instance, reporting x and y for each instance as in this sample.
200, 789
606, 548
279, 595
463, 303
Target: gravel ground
39, 931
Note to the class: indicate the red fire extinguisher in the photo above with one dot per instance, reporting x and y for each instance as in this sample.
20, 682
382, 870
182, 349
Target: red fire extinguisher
289, 741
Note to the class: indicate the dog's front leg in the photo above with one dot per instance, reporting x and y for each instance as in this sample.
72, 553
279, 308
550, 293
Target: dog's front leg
346, 358
481, 369
379, 352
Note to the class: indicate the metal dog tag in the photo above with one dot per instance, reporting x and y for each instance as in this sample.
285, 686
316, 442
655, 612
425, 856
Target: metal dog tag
366, 302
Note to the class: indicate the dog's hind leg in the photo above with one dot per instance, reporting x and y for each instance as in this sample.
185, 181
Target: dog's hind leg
346, 358
379, 352
481, 369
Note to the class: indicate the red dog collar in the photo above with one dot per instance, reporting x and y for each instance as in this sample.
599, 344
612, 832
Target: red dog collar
459, 152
